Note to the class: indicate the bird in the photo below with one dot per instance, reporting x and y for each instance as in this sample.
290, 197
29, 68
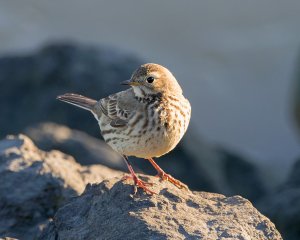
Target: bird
147, 120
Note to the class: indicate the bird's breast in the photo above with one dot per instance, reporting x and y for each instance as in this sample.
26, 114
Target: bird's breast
153, 130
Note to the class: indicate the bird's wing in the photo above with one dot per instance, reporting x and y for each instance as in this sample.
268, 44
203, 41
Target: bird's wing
119, 107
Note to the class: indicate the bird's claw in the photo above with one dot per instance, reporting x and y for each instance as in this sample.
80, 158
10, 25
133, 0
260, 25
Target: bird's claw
138, 183
167, 177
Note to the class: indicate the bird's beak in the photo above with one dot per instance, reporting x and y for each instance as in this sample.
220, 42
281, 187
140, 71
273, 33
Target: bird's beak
130, 83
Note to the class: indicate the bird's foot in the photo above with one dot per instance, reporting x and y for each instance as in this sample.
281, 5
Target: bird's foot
167, 177
138, 183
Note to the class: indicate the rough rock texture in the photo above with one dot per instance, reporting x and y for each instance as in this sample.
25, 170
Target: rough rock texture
283, 205
109, 211
34, 184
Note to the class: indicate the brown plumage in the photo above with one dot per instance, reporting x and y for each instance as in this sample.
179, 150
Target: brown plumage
147, 120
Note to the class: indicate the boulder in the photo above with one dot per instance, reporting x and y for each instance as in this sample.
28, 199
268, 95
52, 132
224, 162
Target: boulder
227, 172
241, 175
296, 95
34, 184
283, 205
109, 211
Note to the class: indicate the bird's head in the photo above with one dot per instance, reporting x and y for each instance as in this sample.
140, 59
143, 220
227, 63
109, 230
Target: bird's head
152, 78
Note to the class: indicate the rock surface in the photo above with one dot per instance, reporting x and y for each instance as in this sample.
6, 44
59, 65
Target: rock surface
34, 184
109, 211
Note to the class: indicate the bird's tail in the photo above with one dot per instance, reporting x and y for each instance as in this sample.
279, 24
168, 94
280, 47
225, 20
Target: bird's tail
78, 100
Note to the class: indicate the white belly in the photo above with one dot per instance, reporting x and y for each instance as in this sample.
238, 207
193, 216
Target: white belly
152, 143
146, 140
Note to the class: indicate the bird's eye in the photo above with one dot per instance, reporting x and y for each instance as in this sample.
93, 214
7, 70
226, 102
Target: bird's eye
150, 79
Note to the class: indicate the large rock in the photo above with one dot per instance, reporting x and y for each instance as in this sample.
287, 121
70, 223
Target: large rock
296, 102
283, 205
228, 172
30, 83
109, 211
240, 176
34, 184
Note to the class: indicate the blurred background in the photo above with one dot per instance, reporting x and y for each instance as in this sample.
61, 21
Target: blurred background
238, 64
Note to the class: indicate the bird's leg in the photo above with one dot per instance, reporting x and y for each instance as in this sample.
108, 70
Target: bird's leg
161, 173
137, 182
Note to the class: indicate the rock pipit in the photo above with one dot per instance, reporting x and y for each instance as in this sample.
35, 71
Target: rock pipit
147, 120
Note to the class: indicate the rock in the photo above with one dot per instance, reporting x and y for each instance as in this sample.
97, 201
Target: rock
296, 95
36, 79
283, 205
87, 149
109, 211
228, 172
241, 176
34, 184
